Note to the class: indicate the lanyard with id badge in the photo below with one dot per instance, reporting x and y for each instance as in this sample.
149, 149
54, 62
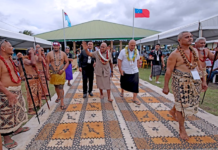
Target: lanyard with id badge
156, 53
89, 58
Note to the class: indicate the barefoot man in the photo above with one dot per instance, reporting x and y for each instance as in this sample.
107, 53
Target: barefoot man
203, 53
13, 108
29, 62
102, 69
56, 59
183, 64
128, 62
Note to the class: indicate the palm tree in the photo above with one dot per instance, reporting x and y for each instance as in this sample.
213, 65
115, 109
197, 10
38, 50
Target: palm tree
27, 32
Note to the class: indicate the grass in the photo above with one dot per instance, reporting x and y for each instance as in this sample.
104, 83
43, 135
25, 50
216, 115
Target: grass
210, 102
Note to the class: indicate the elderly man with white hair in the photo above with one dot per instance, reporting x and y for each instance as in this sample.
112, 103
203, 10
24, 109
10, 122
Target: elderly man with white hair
128, 62
203, 52
102, 69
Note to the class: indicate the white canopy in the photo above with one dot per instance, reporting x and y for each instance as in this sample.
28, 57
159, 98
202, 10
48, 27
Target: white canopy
207, 28
19, 40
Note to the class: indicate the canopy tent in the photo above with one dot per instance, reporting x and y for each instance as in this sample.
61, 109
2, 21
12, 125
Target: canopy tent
207, 28
19, 40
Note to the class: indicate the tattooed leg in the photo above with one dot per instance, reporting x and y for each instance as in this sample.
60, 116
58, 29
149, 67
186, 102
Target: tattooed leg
61, 91
57, 91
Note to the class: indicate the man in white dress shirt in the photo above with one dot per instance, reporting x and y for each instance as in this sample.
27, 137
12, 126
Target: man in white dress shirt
128, 62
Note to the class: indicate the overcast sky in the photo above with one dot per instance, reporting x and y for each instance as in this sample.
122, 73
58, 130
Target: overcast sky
46, 15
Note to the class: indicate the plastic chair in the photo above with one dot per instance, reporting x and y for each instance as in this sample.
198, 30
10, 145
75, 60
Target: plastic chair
144, 63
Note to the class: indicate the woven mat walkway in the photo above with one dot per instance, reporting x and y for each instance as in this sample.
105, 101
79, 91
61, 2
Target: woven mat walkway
95, 123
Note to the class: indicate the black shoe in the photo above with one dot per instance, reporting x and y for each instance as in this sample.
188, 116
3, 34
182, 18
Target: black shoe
84, 95
91, 94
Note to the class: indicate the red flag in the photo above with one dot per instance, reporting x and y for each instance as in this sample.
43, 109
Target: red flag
142, 13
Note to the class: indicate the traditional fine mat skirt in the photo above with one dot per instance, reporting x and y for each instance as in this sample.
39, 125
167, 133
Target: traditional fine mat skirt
69, 72
57, 79
130, 82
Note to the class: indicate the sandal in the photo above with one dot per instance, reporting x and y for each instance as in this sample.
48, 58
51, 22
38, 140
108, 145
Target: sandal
24, 129
136, 102
9, 144
63, 107
57, 100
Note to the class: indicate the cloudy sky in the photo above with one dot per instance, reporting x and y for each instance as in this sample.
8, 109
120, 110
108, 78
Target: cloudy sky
45, 15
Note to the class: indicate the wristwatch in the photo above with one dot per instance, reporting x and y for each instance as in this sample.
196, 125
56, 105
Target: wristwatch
112, 71
63, 69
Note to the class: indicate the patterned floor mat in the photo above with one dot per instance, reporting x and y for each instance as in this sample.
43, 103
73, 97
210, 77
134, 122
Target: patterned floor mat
95, 123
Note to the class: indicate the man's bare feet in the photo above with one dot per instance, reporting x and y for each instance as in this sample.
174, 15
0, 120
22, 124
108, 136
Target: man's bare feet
110, 100
183, 134
173, 114
102, 96
21, 130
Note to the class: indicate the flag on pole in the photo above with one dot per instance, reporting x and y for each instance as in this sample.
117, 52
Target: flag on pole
142, 13
68, 19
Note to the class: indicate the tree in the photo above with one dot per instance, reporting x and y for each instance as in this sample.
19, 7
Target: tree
27, 32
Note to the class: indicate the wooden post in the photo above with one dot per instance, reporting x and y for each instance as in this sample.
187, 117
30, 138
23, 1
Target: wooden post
120, 45
74, 46
112, 47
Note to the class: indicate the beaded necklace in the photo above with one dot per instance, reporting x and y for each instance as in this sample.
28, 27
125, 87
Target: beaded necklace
9, 70
186, 61
59, 62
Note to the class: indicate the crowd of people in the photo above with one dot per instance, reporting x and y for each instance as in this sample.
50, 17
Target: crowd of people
186, 65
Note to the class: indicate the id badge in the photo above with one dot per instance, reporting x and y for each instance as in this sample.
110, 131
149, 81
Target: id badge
158, 58
89, 60
195, 74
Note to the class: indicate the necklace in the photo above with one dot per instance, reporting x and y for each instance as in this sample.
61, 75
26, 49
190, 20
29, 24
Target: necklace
127, 54
59, 62
103, 60
190, 60
186, 61
204, 58
9, 70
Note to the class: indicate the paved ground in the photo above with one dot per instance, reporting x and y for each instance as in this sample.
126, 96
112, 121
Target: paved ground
95, 123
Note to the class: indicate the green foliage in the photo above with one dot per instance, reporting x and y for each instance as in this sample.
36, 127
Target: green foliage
27, 32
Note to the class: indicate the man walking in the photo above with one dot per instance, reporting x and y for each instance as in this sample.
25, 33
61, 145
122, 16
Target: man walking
184, 66
157, 60
128, 62
102, 69
86, 67
68, 71
57, 64
114, 56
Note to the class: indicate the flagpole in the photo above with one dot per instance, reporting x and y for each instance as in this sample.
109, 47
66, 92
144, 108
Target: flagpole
64, 29
133, 23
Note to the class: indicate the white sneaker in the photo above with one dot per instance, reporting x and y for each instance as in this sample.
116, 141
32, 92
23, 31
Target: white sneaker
157, 82
150, 78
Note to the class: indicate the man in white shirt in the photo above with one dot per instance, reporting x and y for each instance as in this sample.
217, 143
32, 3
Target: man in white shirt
128, 62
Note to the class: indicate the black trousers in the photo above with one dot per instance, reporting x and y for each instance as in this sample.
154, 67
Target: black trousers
88, 73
